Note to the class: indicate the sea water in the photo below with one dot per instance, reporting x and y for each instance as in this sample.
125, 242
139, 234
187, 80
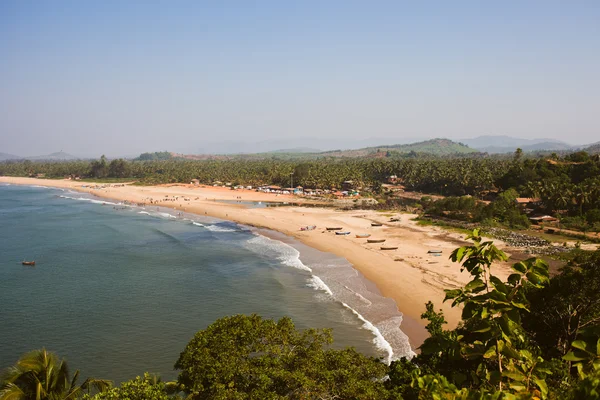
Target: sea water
119, 290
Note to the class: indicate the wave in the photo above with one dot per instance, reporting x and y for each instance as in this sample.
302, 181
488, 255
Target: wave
289, 256
168, 236
275, 249
317, 283
197, 223
90, 200
144, 212
166, 215
217, 228
379, 341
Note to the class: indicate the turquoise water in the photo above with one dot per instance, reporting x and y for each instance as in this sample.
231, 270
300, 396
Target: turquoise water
121, 290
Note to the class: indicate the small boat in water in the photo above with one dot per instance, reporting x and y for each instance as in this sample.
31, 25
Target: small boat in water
375, 240
333, 229
28, 262
342, 233
389, 247
363, 235
376, 224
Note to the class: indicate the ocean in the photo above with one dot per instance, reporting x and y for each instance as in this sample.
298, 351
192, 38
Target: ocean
118, 290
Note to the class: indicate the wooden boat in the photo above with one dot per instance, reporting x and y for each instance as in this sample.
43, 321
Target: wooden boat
434, 251
375, 240
333, 229
363, 235
376, 224
28, 262
394, 219
342, 233
389, 247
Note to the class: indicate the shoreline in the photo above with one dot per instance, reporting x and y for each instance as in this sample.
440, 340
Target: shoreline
409, 276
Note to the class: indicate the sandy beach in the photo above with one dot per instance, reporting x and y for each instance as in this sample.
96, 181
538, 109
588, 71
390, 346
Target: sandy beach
409, 275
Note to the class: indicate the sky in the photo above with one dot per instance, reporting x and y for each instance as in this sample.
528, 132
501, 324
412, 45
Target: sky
120, 78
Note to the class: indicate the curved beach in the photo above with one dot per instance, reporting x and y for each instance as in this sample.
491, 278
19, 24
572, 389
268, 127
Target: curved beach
409, 275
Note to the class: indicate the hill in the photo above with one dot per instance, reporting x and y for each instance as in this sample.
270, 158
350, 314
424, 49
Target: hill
296, 150
437, 147
6, 157
58, 156
594, 148
507, 144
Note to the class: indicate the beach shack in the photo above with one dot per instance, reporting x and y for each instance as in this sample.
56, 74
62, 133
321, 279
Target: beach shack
542, 219
527, 202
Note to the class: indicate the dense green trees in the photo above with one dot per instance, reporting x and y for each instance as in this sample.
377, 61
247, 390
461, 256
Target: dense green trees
248, 357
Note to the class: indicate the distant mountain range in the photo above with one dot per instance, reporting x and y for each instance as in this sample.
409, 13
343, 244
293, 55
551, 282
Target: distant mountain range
593, 148
354, 148
316, 145
6, 157
438, 147
507, 144
58, 156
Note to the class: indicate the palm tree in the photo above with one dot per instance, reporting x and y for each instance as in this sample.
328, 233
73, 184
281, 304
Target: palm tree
41, 375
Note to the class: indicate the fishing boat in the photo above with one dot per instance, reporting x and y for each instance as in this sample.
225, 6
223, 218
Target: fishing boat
375, 240
28, 262
394, 219
389, 247
376, 224
333, 229
363, 235
342, 233
434, 251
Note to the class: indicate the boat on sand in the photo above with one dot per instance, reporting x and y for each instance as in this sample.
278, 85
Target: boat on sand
375, 240
333, 228
363, 235
342, 233
376, 224
434, 252
389, 247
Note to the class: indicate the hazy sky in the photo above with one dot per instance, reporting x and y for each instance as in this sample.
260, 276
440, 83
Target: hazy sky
122, 77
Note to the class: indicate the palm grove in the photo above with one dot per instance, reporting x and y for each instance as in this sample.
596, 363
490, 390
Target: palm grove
528, 337
567, 186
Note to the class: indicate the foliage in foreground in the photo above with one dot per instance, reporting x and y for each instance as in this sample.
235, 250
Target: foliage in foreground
41, 375
495, 353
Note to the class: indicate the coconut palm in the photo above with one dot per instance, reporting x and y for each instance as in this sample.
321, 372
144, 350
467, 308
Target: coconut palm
41, 375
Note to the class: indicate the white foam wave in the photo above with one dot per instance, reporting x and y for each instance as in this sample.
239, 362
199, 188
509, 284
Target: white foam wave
197, 223
90, 200
217, 228
289, 256
275, 249
317, 283
379, 341
166, 215
144, 212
